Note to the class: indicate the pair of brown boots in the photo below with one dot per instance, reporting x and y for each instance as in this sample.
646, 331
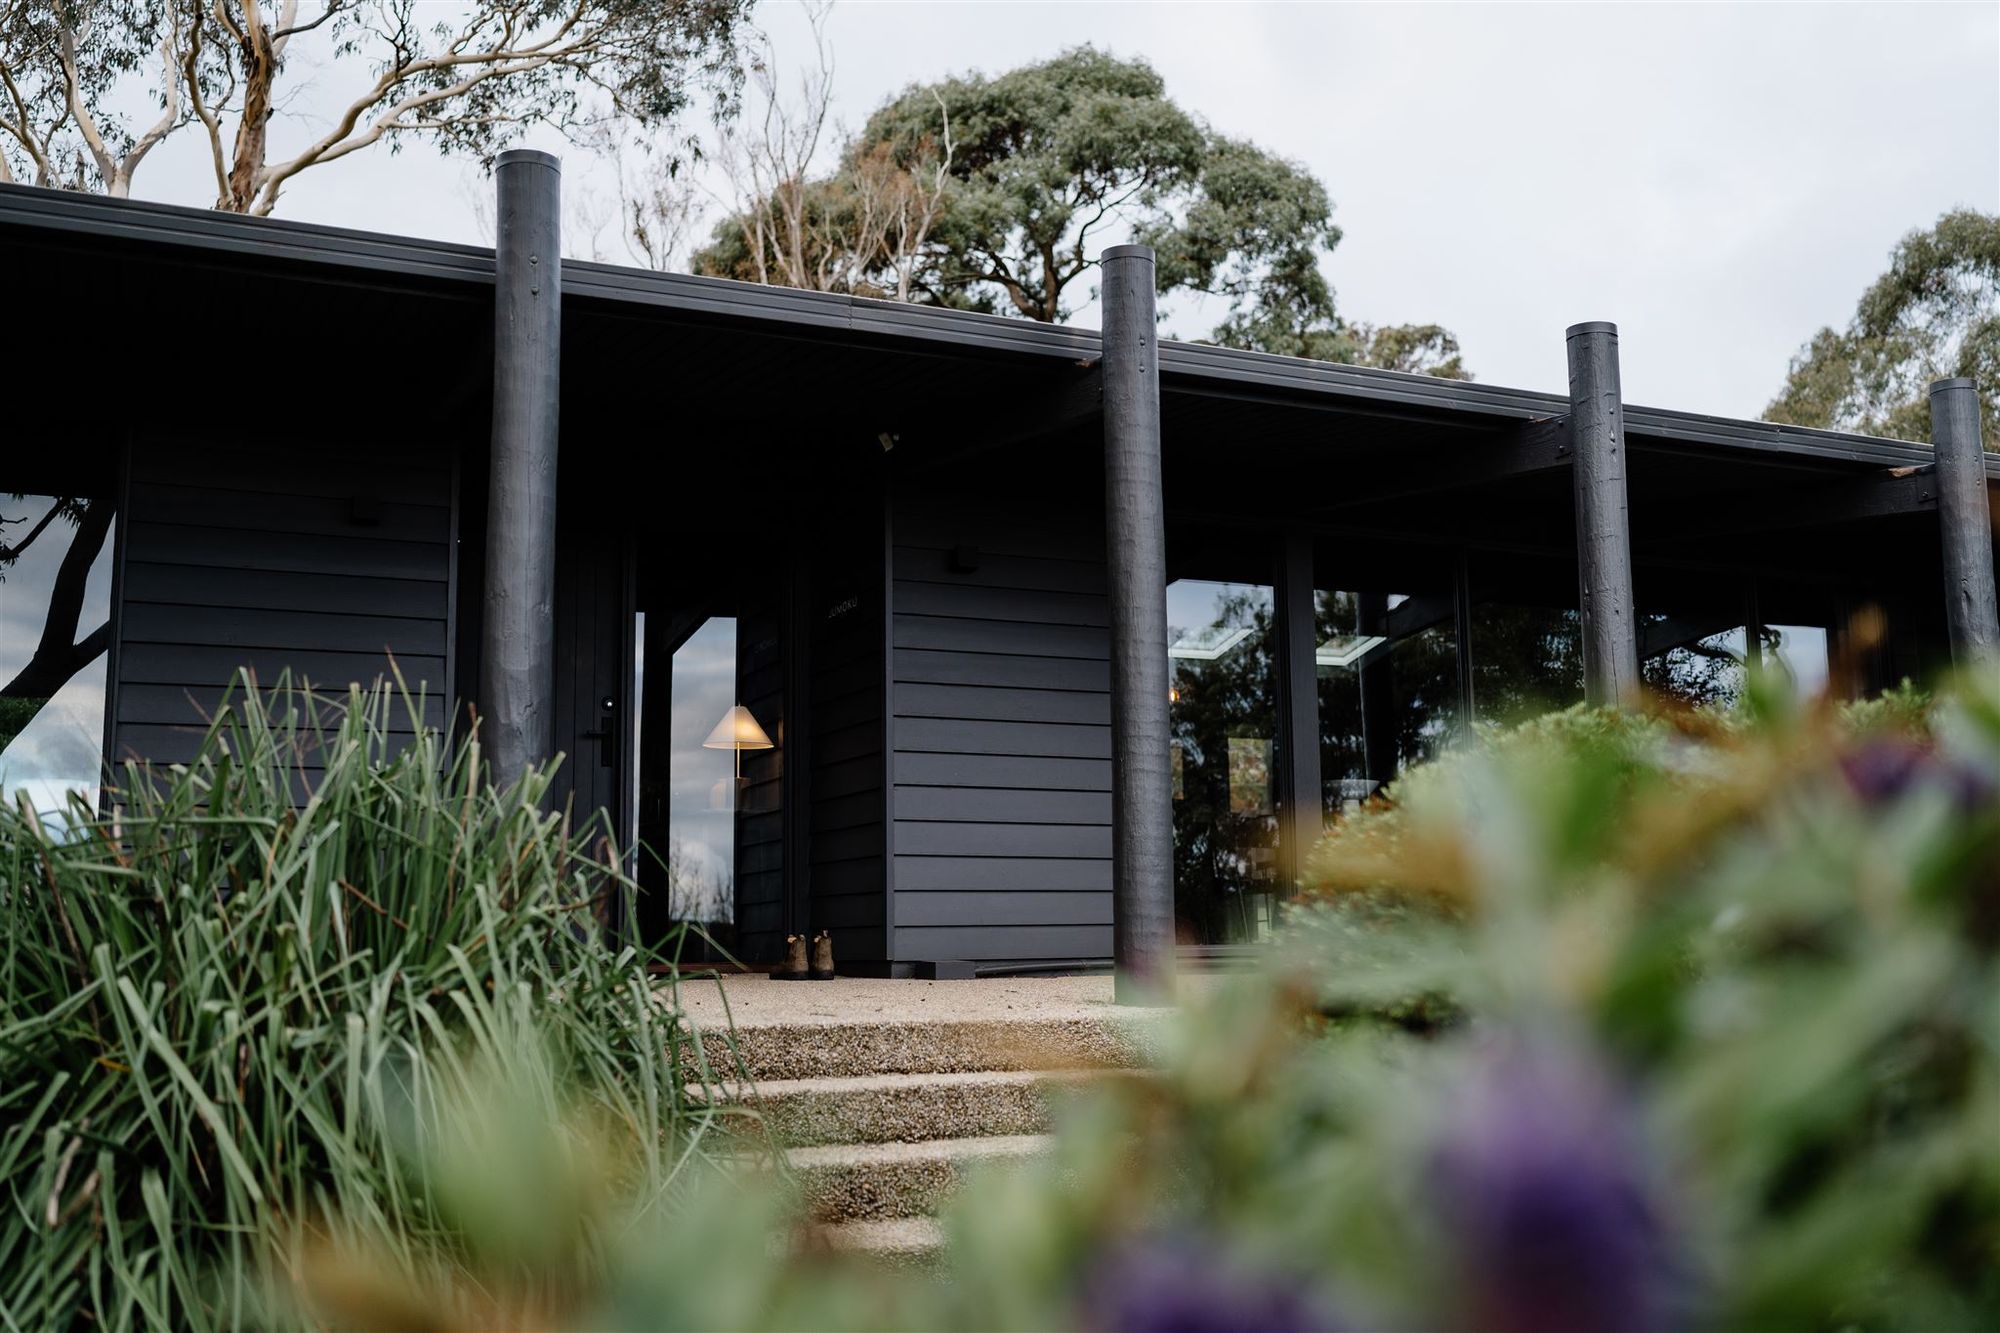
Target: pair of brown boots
795, 968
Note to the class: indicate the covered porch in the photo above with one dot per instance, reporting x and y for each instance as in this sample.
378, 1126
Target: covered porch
1057, 647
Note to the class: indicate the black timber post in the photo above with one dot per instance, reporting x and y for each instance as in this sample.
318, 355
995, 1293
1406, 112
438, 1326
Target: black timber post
1603, 521
1142, 858
1303, 821
517, 651
1966, 522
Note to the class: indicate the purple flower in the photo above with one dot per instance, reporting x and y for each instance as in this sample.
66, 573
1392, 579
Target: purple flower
1884, 769
1542, 1187
1186, 1287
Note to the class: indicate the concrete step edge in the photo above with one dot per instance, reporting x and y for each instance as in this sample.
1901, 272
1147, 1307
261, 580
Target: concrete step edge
850, 1156
899, 1108
786, 1089
863, 1182
887, 1237
799, 1051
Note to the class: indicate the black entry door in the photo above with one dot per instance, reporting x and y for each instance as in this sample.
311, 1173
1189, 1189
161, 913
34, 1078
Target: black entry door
594, 681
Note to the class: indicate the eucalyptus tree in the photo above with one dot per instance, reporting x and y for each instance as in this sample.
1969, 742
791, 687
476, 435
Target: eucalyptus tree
89, 88
1022, 178
1935, 314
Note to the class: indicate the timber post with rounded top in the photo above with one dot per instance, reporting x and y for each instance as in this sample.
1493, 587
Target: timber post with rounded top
1142, 853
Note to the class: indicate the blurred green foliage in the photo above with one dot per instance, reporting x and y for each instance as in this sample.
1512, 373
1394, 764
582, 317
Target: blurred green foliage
231, 1019
1603, 1022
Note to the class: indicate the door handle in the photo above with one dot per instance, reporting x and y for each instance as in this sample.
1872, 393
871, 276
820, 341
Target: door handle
605, 736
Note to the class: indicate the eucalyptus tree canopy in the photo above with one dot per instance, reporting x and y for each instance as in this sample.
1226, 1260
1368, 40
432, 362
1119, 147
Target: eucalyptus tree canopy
1044, 166
1934, 315
88, 88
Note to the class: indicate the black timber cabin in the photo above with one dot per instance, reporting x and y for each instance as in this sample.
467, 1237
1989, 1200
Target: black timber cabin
987, 646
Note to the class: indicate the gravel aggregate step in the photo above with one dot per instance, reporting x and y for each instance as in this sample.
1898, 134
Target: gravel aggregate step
870, 1182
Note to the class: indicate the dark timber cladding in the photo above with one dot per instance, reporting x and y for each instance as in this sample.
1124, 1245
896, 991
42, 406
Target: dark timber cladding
1965, 512
1136, 554
248, 557
517, 658
1603, 517
845, 776
1001, 666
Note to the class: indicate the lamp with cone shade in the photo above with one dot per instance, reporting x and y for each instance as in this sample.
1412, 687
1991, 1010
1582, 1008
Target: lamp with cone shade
737, 731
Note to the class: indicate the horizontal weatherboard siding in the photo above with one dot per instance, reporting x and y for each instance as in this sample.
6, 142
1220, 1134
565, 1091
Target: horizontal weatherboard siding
160, 583
990, 670
1000, 687
971, 601
1015, 907
1001, 874
924, 838
286, 552
195, 665
976, 942
1003, 805
1025, 638
277, 562
268, 627
998, 703
952, 735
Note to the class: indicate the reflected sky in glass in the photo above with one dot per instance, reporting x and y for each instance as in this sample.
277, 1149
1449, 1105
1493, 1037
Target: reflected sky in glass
1802, 650
1206, 620
701, 799
58, 747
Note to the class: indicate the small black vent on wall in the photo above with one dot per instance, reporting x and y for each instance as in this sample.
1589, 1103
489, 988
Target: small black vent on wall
964, 559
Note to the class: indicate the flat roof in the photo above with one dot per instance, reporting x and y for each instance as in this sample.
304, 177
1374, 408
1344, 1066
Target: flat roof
1198, 368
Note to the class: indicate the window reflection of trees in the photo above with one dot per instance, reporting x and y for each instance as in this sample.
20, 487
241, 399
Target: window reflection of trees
1525, 660
55, 630
1224, 732
1395, 704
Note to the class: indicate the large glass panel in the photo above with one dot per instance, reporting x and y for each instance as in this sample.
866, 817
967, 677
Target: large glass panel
700, 854
55, 630
1699, 669
1800, 652
1692, 645
1387, 664
1223, 705
1527, 652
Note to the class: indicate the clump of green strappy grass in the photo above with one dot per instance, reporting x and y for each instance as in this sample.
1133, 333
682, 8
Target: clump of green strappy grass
232, 1009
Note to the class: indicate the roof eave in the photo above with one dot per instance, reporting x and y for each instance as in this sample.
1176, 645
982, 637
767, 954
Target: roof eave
1192, 365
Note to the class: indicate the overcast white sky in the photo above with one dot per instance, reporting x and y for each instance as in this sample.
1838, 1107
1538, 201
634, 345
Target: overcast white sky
1719, 180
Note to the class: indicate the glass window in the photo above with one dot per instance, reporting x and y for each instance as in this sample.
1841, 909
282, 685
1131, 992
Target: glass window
1692, 645
1387, 664
700, 854
55, 632
1800, 652
1527, 648
1681, 662
1223, 707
